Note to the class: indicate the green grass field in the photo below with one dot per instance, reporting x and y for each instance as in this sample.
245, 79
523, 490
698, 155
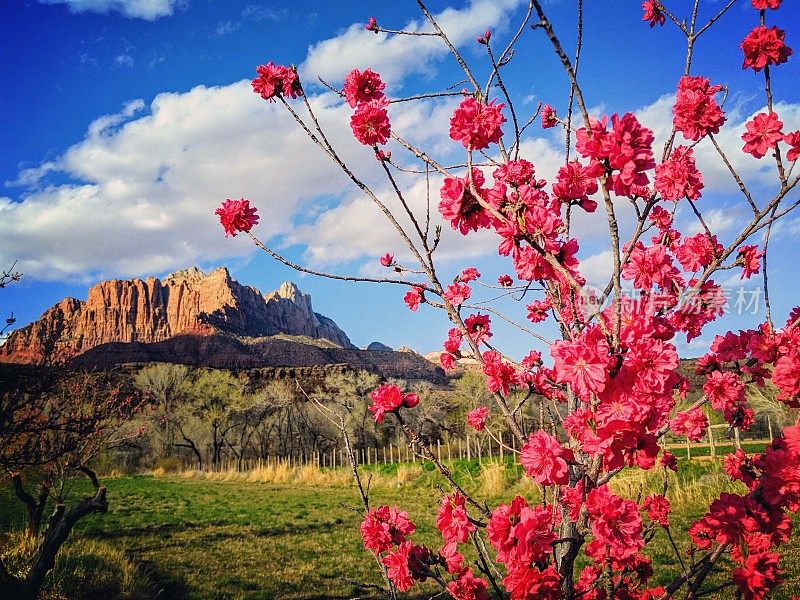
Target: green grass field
214, 539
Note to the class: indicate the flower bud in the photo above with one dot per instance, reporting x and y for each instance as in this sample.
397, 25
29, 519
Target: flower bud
410, 400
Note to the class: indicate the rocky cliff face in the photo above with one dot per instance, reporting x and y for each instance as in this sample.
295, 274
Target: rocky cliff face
152, 310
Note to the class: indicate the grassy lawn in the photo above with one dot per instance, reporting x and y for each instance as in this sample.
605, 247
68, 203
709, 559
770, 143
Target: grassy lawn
208, 539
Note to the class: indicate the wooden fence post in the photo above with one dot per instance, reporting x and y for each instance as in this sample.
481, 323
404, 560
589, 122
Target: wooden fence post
711, 441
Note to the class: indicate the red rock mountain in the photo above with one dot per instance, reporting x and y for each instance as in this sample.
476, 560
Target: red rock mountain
151, 310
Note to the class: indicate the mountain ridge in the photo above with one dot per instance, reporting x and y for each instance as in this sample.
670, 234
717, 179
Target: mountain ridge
154, 310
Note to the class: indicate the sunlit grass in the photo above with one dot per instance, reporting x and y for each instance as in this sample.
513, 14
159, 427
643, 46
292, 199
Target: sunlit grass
293, 533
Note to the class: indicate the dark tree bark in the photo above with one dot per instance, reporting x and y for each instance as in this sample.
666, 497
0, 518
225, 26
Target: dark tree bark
33, 506
59, 526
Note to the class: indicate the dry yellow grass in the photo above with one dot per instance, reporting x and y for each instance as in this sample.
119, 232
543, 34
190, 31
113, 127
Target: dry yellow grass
494, 479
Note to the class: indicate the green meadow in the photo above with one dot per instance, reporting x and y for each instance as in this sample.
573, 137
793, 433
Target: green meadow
293, 533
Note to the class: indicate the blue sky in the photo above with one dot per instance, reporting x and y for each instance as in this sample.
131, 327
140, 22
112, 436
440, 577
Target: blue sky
126, 122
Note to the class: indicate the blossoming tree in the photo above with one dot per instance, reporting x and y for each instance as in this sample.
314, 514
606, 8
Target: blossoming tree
611, 385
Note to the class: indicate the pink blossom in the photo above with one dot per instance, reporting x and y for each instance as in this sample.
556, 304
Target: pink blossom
583, 363
764, 46
453, 559
723, 390
372, 25
765, 4
750, 258
398, 566
530, 583
549, 117
696, 112
661, 218
574, 183
236, 215
447, 361
757, 574
387, 259
533, 534
363, 87
627, 148
532, 359
678, 177
414, 297
514, 172
698, 251
477, 418
793, 140
453, 342
763, 134
786, 376
537, 310
658, 509
370, 124
460, 206
477, 125
478, 327
652, 13
469, 274
545, 460
452, 521
457, 293
384, 527
388, 398
648, 266
276, 80
692, 424
669, 461
467, 587
615, 523
501, 527
505, 281
499, 374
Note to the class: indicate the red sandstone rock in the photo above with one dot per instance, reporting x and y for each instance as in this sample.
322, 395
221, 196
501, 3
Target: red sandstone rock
152, 310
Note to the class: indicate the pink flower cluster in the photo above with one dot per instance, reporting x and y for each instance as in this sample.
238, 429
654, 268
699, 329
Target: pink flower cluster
276, 80
476, 125
388, 398
696, 112
477, 418
370, 121
627, 149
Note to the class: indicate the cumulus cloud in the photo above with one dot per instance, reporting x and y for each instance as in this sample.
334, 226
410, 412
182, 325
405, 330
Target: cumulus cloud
143, 184
149, 185
396, 57
135, 9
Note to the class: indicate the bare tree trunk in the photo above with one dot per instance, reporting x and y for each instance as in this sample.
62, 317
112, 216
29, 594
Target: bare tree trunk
191, 445
59, 526
34, 506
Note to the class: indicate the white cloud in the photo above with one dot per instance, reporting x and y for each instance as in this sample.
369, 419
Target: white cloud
396, 57
144, 183
598, 268
151, 184
137, 9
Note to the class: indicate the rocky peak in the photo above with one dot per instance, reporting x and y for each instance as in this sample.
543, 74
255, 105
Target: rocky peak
289, 291
192, 275
152, 311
